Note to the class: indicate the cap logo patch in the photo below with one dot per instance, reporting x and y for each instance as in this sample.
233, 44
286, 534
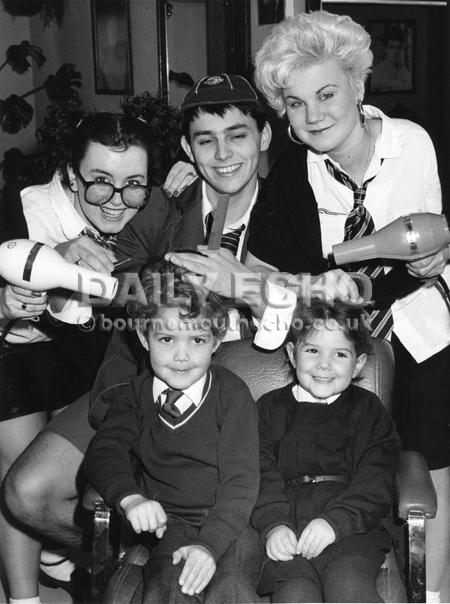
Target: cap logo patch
213, 81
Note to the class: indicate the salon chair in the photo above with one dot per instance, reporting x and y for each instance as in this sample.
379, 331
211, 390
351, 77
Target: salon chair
116, 573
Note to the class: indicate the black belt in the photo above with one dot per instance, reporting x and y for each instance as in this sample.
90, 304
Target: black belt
311, 478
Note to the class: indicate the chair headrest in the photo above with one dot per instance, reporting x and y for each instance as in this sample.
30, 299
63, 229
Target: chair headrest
263, 371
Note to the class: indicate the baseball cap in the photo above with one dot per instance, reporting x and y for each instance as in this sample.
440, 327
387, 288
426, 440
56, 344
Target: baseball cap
219, 89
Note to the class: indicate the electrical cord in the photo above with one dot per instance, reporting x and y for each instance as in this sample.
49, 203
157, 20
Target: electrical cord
442, 286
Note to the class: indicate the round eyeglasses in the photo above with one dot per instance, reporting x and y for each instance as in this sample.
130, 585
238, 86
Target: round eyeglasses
99, 193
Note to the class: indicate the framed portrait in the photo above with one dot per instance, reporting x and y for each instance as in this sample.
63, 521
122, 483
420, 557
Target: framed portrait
394, 48
112, 48
270, 11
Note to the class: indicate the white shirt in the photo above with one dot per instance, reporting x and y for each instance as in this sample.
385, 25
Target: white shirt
243, 220
302, 395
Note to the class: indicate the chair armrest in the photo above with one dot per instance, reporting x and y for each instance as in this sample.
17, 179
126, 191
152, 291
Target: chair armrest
92, 499
415, 490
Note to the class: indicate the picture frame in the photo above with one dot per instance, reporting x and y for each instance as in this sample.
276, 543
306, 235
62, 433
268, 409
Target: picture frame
270, 11
394, 48
112, 47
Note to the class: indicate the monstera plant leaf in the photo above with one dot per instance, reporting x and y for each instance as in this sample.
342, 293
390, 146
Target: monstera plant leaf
17, 56
15, 113
60, 87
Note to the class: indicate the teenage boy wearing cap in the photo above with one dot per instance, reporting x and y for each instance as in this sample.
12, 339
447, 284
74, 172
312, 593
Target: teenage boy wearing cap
225, 130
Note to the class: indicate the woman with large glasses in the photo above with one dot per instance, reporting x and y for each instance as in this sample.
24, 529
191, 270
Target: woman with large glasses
101, 184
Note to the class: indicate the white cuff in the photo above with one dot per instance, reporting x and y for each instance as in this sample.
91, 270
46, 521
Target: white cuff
74, 311
276, 320
422, 322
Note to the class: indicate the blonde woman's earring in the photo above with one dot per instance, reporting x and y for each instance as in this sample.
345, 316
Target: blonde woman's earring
362, 115
294, 138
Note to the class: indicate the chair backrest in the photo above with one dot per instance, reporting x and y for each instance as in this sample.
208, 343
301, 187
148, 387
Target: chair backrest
263, 371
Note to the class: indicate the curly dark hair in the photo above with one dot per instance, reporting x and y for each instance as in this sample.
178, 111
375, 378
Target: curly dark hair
351, 318
165, 286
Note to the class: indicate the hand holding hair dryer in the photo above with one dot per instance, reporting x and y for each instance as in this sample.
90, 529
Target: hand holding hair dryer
408, 238
39, 267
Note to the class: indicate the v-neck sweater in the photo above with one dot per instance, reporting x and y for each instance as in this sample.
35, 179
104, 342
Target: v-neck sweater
208, 466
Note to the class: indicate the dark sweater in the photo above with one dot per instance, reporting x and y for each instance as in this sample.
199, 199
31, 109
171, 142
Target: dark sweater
208, 465
352, 437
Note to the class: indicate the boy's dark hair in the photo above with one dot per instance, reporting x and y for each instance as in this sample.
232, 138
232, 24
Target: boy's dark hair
320, 314
253, 109
165, 286
110, 129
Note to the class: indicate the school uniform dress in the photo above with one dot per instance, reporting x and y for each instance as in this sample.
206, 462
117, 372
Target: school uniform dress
300, 214
204, 471
353, 438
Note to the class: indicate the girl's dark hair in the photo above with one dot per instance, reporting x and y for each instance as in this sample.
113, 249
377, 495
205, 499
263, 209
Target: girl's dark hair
165, 286
254, 110
319, 314
110, 129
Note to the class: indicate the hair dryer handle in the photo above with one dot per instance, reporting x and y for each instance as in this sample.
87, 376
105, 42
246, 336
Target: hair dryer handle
364, 285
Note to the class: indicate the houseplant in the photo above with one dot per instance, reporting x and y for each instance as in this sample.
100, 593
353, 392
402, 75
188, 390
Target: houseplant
16, 112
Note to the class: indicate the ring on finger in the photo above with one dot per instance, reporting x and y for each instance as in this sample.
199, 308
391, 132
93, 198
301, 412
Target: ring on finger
24, 306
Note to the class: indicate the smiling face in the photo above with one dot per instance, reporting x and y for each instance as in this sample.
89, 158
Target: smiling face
321, 107
119, 167
180, 349
325, 362
227, 150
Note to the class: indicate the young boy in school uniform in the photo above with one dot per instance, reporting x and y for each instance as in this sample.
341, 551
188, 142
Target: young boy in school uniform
193, 428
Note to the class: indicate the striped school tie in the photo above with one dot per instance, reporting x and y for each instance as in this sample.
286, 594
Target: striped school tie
169, 408
106, 241
230, 241
169, 411
359, 223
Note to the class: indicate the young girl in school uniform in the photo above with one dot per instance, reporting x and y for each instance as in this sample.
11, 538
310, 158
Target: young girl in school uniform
328, 452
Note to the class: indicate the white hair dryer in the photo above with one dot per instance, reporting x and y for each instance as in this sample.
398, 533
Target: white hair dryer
38, 267
408, 238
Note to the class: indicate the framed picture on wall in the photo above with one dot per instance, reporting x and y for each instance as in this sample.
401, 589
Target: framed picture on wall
270, 11
112, 48
394, 48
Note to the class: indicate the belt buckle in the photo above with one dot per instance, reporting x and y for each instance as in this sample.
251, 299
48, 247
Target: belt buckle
312, 478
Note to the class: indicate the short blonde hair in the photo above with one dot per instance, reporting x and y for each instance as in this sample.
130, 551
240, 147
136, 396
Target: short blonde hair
307, 39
